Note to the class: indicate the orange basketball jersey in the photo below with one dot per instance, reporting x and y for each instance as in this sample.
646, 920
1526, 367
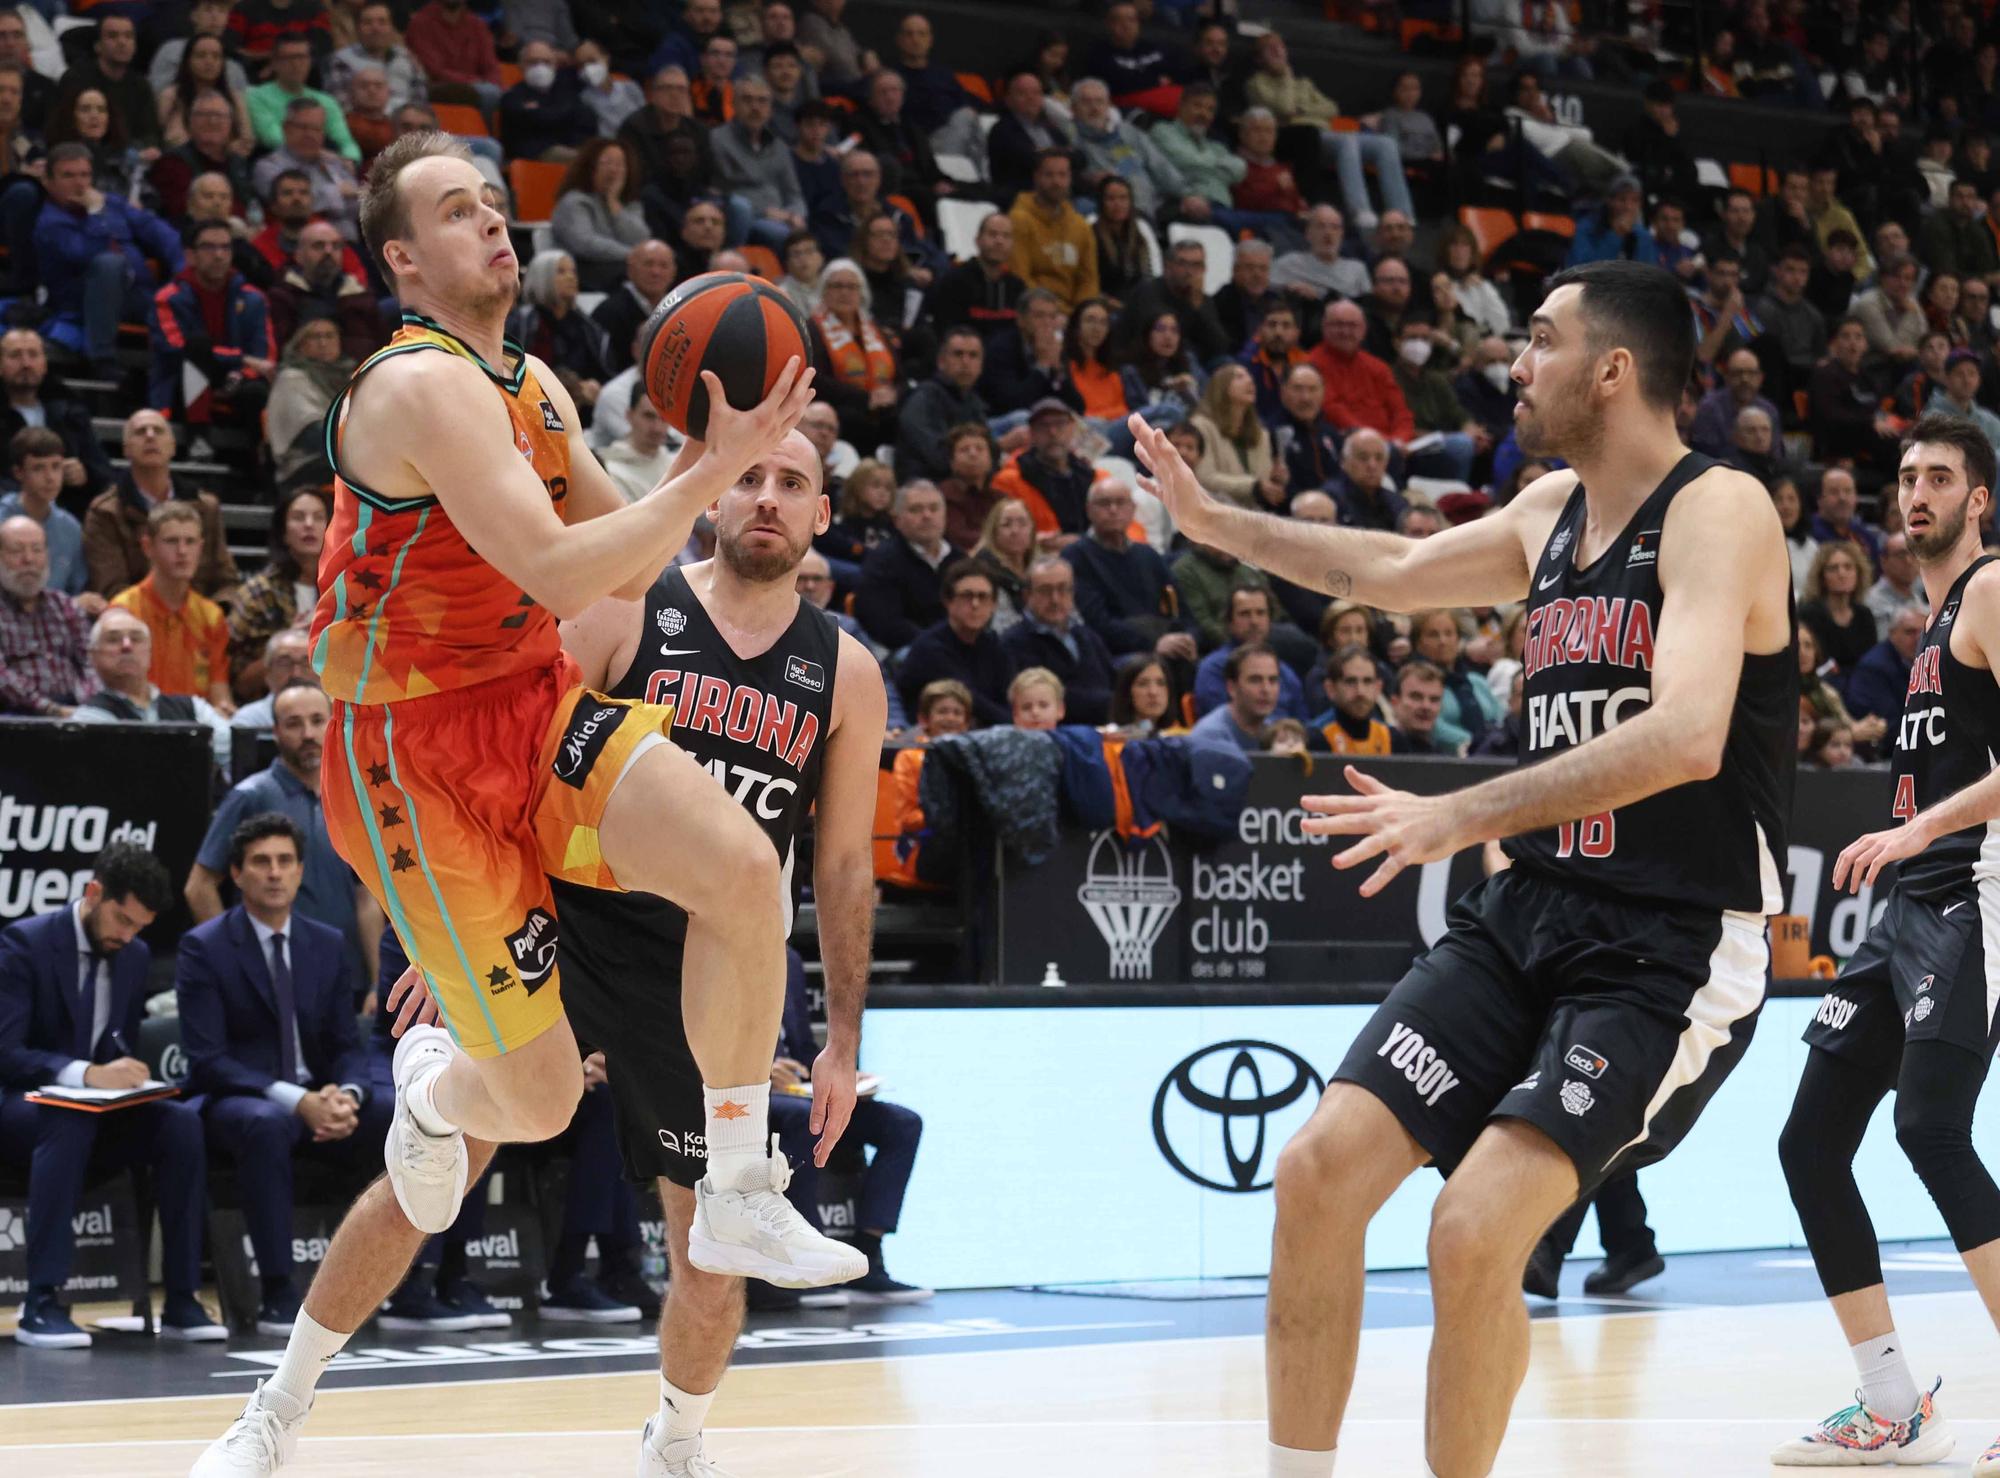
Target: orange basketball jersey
406, 606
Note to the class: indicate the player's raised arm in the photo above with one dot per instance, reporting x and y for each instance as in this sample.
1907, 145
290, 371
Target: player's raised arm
494, 499
1481, 563
1723, 575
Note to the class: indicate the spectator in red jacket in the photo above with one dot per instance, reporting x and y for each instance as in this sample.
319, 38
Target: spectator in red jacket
1360, 389
456, 50
213, 355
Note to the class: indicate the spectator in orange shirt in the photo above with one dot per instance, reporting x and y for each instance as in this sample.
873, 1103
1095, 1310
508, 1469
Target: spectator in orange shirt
190, 633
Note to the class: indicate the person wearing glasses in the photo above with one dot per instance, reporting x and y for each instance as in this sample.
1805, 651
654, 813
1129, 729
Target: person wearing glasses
121, 652
963, 646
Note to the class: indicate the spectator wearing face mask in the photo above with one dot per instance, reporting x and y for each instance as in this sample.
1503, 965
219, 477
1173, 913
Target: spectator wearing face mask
543, 116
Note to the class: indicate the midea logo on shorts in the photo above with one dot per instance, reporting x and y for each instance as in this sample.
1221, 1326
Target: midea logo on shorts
1242, 1098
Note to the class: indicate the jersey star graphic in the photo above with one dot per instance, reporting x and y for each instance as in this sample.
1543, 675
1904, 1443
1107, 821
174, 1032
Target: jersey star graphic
402, 861
729, 1108
378, 775
498, 977
367, 579
391, 816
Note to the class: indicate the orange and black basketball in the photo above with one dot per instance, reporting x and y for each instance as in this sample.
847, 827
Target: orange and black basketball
740, 329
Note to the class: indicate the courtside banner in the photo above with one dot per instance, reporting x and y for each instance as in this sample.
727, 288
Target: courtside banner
69, 790
1267, 905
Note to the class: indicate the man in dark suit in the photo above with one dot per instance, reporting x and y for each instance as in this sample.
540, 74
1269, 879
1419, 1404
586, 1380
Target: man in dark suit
898, 594
267, 1011
1051, 634
72, 992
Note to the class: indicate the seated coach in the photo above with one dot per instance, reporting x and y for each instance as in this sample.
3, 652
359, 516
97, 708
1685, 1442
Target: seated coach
72, 991
267, 1018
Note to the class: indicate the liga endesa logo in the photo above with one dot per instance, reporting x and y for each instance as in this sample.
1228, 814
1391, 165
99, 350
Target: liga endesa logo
1245, 1098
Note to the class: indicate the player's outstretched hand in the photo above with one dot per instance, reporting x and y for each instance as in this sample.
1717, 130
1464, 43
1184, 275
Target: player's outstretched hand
1400, 828
736, 439
1863, 859
833, 1078
1173, 482
410, 999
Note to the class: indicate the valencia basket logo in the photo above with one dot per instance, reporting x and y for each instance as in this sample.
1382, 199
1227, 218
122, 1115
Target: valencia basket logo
1129, 893
1237, 1102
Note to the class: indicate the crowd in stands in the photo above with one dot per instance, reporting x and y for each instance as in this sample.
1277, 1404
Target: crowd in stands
1000, 265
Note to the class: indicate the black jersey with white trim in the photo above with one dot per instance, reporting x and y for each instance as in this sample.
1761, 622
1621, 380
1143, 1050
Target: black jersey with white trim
1945, 741
1588, 666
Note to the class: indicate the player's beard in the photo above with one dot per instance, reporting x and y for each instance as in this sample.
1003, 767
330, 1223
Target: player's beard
1942, 536
1561, 423
762, 566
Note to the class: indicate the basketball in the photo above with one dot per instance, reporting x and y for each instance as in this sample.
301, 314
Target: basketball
741, 329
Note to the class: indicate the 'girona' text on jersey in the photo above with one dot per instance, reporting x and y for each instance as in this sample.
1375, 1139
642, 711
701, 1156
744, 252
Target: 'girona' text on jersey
1589, 628
742, 714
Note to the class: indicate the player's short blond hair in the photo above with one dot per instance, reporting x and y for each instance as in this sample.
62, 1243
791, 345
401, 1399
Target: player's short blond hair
385, 214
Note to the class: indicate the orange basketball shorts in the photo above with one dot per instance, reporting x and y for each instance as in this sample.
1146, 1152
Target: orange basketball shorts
456, 808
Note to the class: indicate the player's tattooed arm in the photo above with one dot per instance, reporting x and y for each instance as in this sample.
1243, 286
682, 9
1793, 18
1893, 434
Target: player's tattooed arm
1475, 564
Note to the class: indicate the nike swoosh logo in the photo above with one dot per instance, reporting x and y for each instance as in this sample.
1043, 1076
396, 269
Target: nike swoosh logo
680, 651
1950, 906
1550, 581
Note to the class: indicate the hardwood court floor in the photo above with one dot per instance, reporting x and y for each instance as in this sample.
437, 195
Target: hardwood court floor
1660, 1394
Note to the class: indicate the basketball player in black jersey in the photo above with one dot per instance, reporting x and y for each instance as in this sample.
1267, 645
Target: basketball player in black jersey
787, 712
1584, 1003
1914, 1009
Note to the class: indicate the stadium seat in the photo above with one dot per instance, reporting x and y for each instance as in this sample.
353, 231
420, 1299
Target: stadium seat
587, 303
510, 74
1343, 124
979, 87
763, 261
1755, 178
1539, 220
1221, 251
958, 224
1490, 226
541, 239
460, 119
908, 206
534, 184
1154, 261
960, 168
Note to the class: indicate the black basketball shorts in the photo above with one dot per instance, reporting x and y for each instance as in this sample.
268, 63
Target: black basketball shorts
1607, 1025
1922, 974
630, 1010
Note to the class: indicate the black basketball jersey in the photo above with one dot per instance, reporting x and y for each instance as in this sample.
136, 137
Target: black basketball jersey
1588, 666
759, 724
1945, 742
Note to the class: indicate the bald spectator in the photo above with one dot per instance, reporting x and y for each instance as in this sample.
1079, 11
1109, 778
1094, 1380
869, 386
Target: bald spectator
316, 284
1124, 590
24, 371
1361, 390
1117, 146
121, 649
116, 521
1054, 247
1363, 495
1320, 270
1742, 387
1387, 307
287, 658
456, 49
336, 192
649, 272
288, 210
1301, 437
1239, 304
271, 103
377, 45
37, 457
44, 636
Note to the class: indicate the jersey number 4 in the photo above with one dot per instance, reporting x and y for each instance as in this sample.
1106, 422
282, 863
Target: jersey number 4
1594, 836
1906, 798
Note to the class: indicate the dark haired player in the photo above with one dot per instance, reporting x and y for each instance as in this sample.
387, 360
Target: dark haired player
1586, 1002
1914, 1010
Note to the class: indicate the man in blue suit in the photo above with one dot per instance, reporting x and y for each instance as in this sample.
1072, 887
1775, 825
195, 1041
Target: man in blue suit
267, 1012
72, 991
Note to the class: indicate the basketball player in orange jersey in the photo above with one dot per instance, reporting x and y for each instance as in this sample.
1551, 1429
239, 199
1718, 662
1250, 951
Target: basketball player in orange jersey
466, 764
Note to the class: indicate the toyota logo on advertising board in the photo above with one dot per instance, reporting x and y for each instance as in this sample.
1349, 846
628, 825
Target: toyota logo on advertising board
1244, 1098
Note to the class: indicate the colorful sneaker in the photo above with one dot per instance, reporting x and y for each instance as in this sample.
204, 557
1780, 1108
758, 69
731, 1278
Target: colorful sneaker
1988, 1465
1856, 1437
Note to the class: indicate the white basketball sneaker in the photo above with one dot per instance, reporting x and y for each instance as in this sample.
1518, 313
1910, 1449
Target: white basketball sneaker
749, 1230
1988, 1465
1855, 1437
681, 1459
259, 1442
426, 1171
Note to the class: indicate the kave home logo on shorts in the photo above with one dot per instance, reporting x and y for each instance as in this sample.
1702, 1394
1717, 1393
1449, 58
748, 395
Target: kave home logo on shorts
1242, 1099
1129, 892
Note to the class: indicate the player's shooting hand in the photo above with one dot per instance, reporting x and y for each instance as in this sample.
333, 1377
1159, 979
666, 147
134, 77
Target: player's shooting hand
1400, 828
1173, 481
737, 438
833, 1077
410, 999
1863, 859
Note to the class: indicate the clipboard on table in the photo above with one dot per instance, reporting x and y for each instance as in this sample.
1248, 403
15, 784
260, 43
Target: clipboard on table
102, 1100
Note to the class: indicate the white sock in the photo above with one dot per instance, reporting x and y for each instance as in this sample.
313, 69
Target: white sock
424, 1109
682, 1413
738, 1131
1297, 1462
310, 1349
1886, 1383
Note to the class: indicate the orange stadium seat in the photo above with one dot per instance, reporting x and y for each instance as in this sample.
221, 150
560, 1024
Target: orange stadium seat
763, 261
1539, 220
1754, 178
534, 184
978, 86
461, 119
509, 74
1489, 226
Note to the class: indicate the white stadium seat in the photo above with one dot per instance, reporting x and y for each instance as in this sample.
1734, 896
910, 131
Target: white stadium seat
958, 223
